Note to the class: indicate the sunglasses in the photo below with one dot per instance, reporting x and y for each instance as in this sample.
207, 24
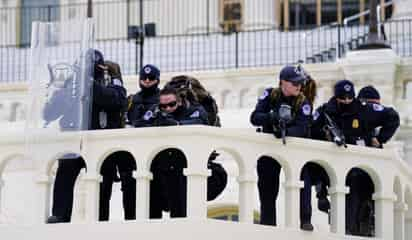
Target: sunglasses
296, 84
150, 78
165, 105
343, 98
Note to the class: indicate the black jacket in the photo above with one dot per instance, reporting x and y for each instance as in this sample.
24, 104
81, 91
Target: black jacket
194, 114
110, 100
141, 103
357, 121
261, 115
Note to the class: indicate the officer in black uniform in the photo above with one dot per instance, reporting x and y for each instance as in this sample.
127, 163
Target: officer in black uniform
168, 187
148, 96
118, 166
267, 115
357, 120
108, 102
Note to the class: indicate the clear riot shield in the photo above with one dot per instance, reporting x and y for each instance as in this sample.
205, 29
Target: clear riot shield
60, 95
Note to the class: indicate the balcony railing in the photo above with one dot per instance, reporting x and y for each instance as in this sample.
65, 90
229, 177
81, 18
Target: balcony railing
391, 176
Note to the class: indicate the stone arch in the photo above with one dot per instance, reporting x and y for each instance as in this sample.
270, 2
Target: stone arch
7, 159
118, 166
269, 165
153, 153
109, 152
172, 186
236, 157
318, 173
362, 183
330, 171
284, 163
54, 158
373, 174
3, 165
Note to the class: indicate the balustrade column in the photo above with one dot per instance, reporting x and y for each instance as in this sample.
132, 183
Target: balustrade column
247, 185
143, 194
92, 184
196, 193
337, 212
384, 215
43, 189
292, 203
400, 210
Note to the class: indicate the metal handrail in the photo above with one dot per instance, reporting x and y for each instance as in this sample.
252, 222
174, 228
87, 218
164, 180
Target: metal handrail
356, 16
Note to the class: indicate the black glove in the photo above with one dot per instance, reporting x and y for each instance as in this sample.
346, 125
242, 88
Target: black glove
213, 156
277, 133
164, 119
273, 118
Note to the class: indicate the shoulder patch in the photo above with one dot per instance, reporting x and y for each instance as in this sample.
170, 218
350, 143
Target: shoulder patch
195, 114
148, 115
117, 82
306, 109
316, 115
264, 95
377, 107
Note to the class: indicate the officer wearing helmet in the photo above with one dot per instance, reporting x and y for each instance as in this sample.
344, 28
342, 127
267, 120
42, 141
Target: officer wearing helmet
148, 96
267, 115
356, 120
109, 100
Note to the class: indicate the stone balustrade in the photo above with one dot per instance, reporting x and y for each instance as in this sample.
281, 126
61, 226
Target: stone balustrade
391, 176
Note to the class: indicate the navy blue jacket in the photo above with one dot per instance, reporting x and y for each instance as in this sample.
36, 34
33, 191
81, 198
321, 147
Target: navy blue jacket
141, 103
110, 99
261, 118
194, 114
357, 121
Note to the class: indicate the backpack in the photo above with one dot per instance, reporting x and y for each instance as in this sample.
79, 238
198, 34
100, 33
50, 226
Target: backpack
113, 69
190, 89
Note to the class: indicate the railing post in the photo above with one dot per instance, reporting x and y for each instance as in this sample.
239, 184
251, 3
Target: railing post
337, 213
196, 193
292, 204
43, 185
143, 194
339, 41
92, 183
384, 206
247, 186
400, 210
49, 13
236, 49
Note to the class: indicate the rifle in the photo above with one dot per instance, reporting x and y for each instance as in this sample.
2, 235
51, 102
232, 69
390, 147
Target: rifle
284, 117
337, 135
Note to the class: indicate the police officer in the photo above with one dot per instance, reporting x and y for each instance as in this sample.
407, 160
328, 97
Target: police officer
357, 120
168, 187
108, 102
118, 166
369, 94
267, 115
148, 96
